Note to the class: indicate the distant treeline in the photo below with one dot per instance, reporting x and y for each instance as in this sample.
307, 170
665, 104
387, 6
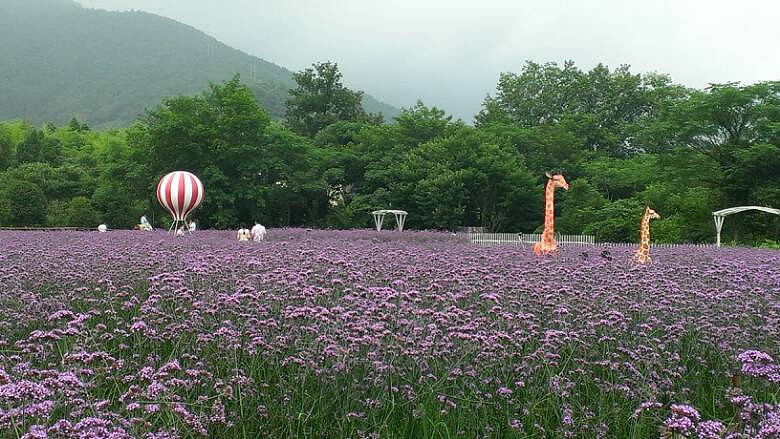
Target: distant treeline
623, 141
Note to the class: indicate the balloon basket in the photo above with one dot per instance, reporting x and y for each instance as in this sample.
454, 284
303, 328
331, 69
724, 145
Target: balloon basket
175, 227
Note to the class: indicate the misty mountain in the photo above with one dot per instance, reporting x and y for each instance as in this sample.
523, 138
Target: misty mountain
59, 60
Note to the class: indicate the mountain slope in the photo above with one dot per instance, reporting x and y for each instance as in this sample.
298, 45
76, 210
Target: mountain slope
59, 60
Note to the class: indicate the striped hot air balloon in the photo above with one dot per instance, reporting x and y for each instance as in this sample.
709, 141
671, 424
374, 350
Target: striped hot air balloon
179, 193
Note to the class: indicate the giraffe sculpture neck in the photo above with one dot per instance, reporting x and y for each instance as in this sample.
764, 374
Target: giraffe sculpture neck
549, 212
547, 244
642, 254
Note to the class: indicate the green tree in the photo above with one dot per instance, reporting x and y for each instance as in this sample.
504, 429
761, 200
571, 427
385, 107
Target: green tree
577, 205
727, 117
80, 213
5, 211
219, 136
621, 178
320, 99
24, 203
724, 122
116, 207
7, 149
686, 212
40, 146
339, 134
378, 150
545, 148
419, 124
31, 149
468, 178
75, 125
617, 221
61, 182
603, 107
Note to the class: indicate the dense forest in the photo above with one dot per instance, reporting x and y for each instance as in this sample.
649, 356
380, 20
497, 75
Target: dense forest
623, 140
61, 60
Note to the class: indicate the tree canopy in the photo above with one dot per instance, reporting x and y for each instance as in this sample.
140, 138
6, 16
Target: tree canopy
623, 140
320, 99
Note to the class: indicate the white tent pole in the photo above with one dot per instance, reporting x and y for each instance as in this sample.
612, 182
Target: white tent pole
717, 231
378, 220
718, 227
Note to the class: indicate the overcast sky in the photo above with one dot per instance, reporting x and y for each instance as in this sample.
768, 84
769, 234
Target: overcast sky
449, 53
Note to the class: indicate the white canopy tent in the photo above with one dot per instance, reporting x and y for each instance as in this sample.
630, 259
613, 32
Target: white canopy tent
721, 215
379, 217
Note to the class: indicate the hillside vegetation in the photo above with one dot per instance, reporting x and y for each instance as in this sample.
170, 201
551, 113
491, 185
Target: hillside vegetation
622, 140
60, 60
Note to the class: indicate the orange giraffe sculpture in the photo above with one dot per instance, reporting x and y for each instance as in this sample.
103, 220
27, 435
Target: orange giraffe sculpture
642, 254
547, 243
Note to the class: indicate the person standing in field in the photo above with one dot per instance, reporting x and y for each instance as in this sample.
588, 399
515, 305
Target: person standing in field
191, 226
243, 234
145, 225
258, 232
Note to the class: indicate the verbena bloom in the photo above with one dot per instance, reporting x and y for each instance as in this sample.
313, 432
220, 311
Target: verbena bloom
710, 430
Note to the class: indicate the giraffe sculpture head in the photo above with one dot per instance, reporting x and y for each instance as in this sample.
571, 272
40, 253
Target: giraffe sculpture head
652, 214
557, 180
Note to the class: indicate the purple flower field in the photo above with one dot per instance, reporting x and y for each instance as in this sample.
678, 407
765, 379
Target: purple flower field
366, 334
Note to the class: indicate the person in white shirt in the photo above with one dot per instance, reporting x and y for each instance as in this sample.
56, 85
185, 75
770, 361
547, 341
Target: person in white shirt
102, 228
191, 226
258, 232
145, 224
243, 234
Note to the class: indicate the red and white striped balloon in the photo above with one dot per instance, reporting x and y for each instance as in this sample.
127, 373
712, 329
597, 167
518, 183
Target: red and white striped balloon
179, 193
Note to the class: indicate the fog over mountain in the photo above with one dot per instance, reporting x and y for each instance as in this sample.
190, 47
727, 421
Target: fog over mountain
450, 54
62, 60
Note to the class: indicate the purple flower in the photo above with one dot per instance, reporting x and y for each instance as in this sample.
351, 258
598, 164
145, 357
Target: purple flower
710, 430
686, 411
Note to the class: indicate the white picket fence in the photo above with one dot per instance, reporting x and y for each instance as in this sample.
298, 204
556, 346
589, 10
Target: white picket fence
521, 239
654, 245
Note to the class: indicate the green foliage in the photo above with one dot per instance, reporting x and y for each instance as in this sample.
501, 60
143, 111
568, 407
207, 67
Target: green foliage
724, 117
37, 147
686, 213
622, 140
7, 149
80, 213
617, 221
607, 107
55, 212
345, 217
621, 178
219, 136
55, 69
23, 204
546, 148
115, 207
5, 211
320, 99
341, 133
420, 124
465, 178
577, 204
